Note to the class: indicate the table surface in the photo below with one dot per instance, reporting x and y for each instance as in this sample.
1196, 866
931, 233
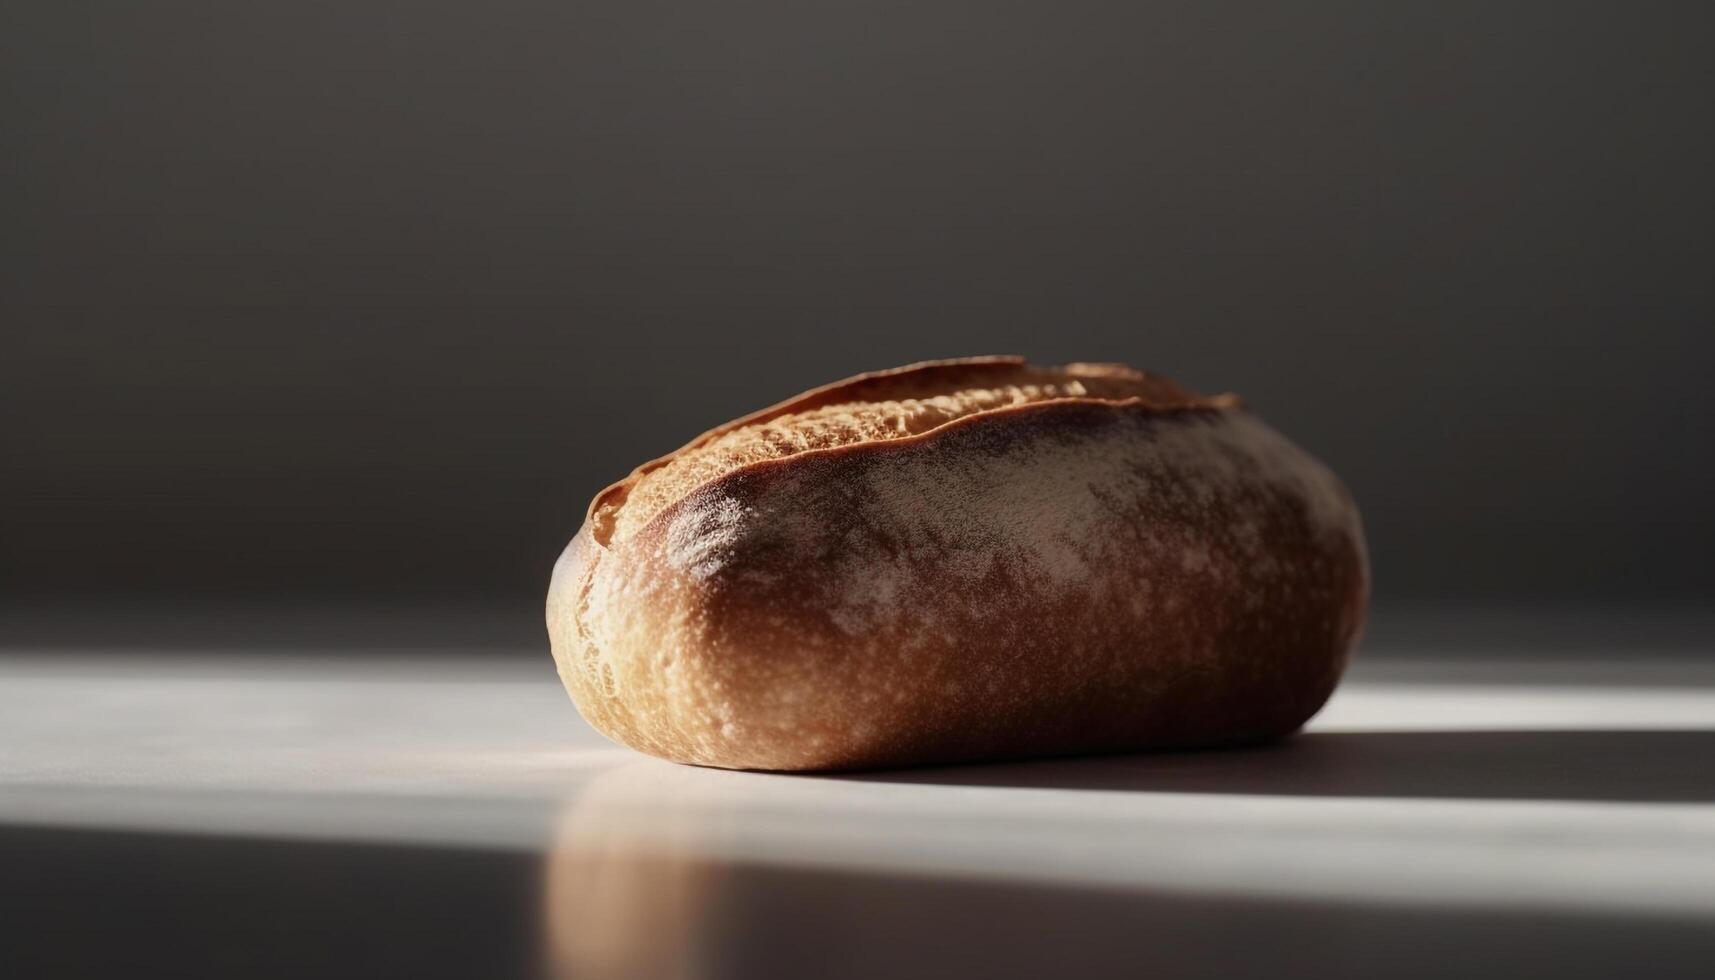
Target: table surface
314, 814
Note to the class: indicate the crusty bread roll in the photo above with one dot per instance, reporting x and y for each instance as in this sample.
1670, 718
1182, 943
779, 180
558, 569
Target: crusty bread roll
957, 561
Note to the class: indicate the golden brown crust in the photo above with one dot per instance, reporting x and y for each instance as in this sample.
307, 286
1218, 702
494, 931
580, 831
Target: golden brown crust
877, 406
1070, 575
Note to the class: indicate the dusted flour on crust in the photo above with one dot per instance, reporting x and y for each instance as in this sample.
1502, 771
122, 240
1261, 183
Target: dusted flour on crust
1054, 574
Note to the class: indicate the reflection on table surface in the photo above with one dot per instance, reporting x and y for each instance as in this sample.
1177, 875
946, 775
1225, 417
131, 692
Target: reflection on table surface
648, 877
371, 816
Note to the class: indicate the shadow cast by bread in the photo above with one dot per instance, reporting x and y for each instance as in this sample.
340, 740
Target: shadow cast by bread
1592, 765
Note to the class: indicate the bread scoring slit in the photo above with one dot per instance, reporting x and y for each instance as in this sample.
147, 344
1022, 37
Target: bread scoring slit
868, 409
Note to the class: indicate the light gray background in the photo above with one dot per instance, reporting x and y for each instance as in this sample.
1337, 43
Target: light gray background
366, 299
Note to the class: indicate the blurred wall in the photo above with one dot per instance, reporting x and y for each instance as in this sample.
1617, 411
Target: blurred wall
367, 298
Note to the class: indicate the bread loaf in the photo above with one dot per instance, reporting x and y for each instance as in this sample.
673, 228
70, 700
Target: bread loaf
957, 561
